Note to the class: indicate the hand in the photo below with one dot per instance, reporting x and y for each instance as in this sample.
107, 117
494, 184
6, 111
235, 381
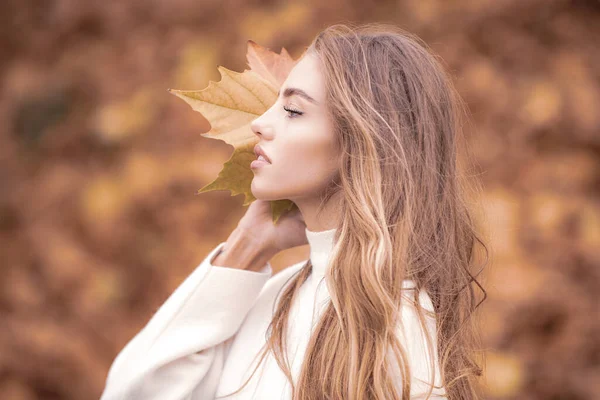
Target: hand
287, 233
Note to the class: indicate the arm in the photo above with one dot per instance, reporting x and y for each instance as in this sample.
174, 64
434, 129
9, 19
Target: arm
183, 347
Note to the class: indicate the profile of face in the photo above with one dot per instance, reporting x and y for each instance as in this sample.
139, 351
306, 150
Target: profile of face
297, 135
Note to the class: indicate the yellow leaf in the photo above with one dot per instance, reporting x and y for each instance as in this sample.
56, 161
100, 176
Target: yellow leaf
270, 66
230, 105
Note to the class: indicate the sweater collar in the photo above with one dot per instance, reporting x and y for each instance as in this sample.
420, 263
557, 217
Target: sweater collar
321, 246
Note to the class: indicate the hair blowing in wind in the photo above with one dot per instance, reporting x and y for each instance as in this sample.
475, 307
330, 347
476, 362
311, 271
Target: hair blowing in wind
406, 214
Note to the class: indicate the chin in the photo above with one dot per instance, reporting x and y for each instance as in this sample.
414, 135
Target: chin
261, 194
268, 194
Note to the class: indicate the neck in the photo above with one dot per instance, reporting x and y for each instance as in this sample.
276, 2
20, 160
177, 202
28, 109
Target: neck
320, 217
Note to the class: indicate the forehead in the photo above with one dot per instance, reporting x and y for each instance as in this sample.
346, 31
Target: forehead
306, 75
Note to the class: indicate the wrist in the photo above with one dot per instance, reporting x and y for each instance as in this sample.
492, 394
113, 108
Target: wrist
244, 251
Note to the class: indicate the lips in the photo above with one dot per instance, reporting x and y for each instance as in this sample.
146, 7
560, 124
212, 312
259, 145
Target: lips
259, 152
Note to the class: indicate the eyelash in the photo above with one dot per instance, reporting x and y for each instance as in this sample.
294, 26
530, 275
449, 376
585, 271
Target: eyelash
296, 112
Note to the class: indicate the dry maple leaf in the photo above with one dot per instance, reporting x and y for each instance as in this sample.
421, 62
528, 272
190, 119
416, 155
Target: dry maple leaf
230, 105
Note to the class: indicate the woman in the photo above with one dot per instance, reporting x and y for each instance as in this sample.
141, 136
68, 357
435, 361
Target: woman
363, 139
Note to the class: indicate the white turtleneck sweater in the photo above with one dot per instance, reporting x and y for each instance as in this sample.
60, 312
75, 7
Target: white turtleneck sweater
202, 341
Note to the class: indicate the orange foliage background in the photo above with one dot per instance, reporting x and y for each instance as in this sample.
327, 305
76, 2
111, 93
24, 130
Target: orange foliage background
99, 166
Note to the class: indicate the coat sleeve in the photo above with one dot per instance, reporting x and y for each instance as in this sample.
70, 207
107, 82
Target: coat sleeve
412, 336
182, 349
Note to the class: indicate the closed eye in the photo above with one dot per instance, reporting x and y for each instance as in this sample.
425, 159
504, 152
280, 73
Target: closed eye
293, 113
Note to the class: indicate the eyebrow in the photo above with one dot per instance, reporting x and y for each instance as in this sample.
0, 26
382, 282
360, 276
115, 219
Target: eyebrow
299, 92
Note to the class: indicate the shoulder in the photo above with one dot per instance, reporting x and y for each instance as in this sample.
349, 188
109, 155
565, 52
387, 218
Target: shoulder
280, 279
420, 338
416, 330
409, 290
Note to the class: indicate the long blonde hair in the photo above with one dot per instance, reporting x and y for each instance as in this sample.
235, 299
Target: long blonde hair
406, 215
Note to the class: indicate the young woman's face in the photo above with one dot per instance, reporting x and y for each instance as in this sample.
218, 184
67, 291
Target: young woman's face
301, 147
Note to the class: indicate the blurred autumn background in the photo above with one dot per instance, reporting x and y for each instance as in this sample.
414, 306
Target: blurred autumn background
99, 217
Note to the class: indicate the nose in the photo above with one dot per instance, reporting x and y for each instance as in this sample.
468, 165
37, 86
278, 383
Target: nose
260, 127
254, 127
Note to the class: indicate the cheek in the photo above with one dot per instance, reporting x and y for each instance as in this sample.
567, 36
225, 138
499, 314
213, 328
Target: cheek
308, 163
